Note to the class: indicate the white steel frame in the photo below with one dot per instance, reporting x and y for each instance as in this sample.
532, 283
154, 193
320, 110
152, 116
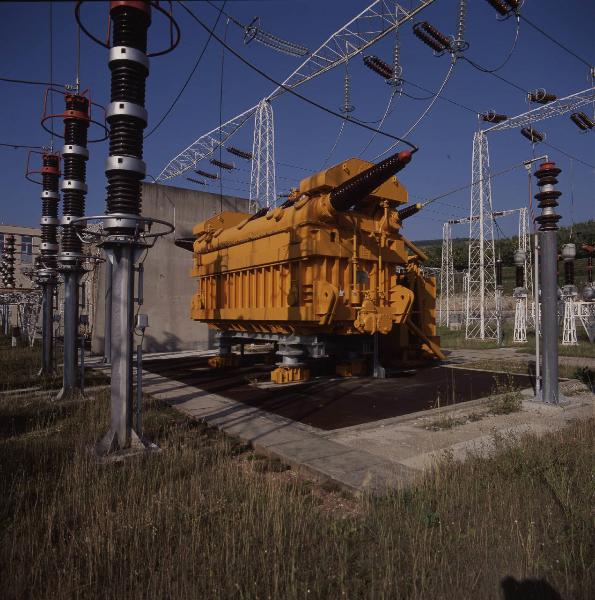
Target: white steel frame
368, 27
262, 180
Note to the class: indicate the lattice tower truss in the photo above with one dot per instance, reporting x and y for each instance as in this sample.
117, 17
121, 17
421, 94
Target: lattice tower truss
368, 27
262, 180
447, 278
481, 314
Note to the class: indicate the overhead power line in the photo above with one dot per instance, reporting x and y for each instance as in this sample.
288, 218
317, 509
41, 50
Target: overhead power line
555, 41
27, 81
15, 146
289, 89
190, 75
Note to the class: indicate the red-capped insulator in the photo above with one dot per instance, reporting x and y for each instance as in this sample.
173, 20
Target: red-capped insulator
514, 4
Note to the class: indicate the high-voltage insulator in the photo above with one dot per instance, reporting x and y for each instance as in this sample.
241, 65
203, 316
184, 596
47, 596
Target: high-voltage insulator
344, 196
240, 153
547, 196
520, 258
50, 196
541, 96
74, 188
222, 165
499, 273
568, 256
532, 134
254, 32
126, 113
430, 36
9, 259
582, 121
395, 80
504, 7
378, 66
493, 117
459, 42
409, 211
196, 181
207, 174
347, 106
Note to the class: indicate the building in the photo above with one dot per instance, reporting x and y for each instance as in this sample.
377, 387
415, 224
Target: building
27, 248
168, 287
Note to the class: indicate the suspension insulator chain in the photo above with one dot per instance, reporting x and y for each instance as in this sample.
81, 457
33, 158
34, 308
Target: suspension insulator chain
347, 106
460, 44
50, 197
126, 113
396, 80
74, 188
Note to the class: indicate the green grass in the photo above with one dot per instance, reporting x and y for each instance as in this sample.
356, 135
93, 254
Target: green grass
456, 339
206, 518
21, 364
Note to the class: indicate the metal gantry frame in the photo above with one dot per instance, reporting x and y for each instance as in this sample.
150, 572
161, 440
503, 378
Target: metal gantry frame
368, 27
481, 312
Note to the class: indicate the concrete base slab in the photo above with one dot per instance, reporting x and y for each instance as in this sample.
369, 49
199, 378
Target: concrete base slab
373, 457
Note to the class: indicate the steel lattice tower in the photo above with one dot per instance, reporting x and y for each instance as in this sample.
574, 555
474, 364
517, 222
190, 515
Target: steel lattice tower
481, 319
263, 192
446, 276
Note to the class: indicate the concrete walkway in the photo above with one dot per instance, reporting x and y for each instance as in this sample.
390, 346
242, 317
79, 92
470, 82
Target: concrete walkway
373, 457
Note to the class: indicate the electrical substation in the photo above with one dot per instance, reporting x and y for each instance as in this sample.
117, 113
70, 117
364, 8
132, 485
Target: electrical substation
302, 298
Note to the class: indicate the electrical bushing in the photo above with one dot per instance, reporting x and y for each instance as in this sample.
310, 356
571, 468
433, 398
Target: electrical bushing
126, 113
50, 197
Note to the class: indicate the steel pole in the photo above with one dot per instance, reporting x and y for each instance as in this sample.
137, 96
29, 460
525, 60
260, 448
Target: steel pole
47, 329
107, 326
121, 434
548, 237
537, 319
70, 382
549, 315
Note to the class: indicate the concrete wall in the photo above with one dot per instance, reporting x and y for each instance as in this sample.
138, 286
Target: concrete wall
168, 288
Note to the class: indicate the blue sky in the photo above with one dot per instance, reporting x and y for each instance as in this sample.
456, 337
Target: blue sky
304, 134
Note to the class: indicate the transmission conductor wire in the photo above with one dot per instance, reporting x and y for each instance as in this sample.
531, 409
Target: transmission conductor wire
190, 75
329, 111
549, 37
508, 56
426, 111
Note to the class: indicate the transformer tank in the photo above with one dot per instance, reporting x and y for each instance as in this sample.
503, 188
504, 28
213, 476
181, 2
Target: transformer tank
327, 276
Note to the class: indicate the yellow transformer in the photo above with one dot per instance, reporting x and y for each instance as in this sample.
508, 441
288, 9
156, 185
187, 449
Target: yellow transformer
327, 276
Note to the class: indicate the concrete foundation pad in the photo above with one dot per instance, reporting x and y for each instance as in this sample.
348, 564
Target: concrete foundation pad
372, 457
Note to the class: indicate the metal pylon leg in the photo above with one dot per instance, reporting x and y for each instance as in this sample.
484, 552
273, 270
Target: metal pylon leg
121, 435
70, 381
47, 330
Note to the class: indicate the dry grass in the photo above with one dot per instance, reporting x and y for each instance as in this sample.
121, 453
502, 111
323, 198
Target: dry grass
205, 518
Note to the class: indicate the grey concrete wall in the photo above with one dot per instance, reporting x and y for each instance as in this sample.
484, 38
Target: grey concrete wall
168, 288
